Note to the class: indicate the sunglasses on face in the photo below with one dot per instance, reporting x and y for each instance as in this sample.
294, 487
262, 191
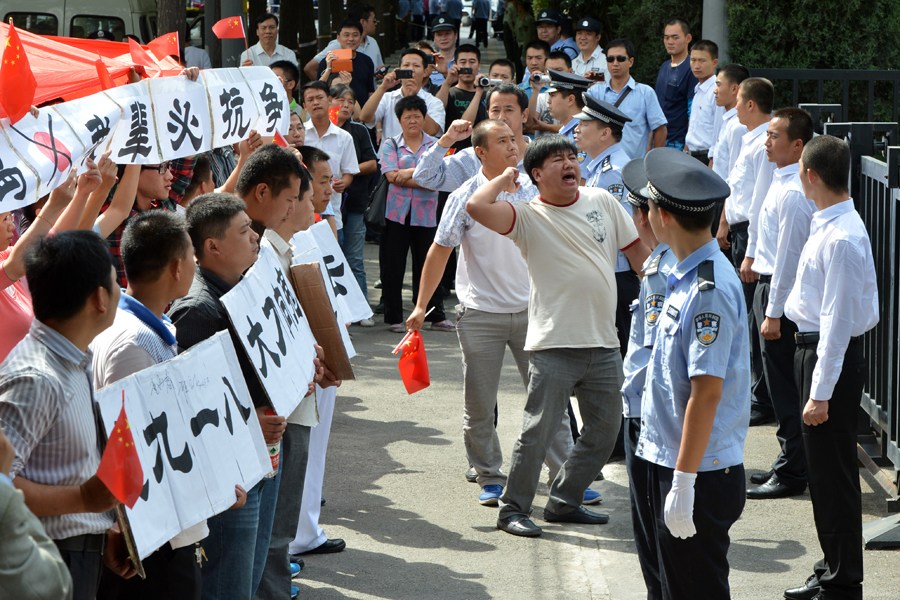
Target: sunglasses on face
620, 59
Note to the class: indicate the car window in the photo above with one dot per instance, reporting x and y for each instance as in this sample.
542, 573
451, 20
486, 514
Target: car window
39, 23
97, 27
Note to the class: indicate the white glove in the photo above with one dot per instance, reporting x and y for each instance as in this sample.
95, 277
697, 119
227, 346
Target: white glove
679, 511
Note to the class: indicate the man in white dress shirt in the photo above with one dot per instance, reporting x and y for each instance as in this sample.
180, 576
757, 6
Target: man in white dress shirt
783, 229
703, 114
834, 302
267, 50
591, 61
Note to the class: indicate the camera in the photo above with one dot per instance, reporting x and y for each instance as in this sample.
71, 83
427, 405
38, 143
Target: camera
464, 70
595, 75
381, 72
403, 73
484, 81
540, 79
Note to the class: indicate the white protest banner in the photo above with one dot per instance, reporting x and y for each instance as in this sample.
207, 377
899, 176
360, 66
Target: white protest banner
353, 303
306, 249
196, 434
146, 123
272, 328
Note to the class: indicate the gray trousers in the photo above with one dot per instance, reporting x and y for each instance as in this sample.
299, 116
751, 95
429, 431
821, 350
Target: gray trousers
596, 376
483, 339
276, 577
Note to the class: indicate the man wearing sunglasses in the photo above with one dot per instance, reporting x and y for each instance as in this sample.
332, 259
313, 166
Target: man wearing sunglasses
153, 187
647, 128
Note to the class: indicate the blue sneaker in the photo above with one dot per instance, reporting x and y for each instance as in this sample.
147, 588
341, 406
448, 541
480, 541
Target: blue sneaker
295, 591
490, 495
295, 569
591, 497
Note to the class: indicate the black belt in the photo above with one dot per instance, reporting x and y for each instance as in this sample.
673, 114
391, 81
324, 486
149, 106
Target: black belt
89, 542
812, 337
700, 153
742, 226
765, 279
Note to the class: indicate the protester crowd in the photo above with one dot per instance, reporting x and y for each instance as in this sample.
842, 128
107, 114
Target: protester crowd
671, 255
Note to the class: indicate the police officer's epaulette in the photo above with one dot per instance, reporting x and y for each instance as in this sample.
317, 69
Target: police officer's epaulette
653, 267
706, 276
606, 165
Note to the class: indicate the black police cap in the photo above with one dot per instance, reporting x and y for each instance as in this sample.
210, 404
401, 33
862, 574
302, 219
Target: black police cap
560, 80
681, 183
598, 110
634, 176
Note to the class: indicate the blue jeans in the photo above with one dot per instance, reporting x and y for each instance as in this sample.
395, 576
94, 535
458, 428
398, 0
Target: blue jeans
234, 566
352, 243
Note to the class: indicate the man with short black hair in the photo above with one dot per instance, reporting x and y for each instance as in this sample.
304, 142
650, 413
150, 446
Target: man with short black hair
379, 109
361, 76
784, 219
268, 184
458, 98
536, 53
540, 120
566, 99
834, 302
330, 138
368, 45
289, 76
702, 119
647, 128
571, 329
749, 180
549, 27
675, 83
729, 130
446, 34
503, 70
46, 403
267, 50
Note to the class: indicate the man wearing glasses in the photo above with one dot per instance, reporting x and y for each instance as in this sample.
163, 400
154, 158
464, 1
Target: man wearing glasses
153, 187
647, 128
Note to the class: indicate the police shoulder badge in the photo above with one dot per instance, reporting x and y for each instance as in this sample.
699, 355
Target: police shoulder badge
706, 327
653, 307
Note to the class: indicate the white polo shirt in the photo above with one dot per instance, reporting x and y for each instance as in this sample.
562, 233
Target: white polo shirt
384, 114
702, 122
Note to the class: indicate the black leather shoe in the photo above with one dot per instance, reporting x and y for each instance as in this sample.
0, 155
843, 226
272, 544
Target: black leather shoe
758, 417
775, 488
327, 547
807, 591
761, 478
519, 524
579, 515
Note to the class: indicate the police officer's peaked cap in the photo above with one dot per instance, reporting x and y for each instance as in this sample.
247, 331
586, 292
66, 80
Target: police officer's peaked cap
550, 16
442, 23
634, 176
560, 80
586, 24
681, 183
597, 110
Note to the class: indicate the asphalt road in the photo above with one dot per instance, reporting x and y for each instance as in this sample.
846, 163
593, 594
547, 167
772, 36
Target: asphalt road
414, 528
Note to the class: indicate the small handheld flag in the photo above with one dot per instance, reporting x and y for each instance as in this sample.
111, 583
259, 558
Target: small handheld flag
120, 467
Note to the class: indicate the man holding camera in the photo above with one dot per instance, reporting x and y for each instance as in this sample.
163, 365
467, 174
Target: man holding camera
411, 75
464, 99
590, 62
359, 72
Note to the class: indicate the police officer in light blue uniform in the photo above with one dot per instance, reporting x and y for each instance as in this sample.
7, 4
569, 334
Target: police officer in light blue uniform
645, 313
696, 404
568, 83
605, 171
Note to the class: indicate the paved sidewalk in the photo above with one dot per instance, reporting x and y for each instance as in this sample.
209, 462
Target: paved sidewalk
414, 529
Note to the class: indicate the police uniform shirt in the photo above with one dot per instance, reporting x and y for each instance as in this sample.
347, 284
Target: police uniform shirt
700, 332
645, 313
568, 130
605, 172
701, 118
728, 143
595, 62
835, 292
566, 45
642, 105
783, 229
749, 181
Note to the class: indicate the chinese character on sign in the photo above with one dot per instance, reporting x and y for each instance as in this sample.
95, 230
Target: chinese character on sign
99, 128
233, 115
272, 105
159, 426
139, 134
183, 123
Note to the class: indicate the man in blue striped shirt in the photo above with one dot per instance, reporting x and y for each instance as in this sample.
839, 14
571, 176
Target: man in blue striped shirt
46, 404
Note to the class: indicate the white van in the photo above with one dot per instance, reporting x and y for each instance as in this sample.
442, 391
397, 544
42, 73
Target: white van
84, 18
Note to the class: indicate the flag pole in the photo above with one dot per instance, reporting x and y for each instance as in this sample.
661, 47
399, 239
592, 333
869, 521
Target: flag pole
408, 335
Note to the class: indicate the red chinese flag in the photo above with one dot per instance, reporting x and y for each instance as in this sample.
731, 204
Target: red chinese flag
120, 468
17, 83
413, 364
106, 80
229, 28
139, 56
165, 45
333, 114
279, 140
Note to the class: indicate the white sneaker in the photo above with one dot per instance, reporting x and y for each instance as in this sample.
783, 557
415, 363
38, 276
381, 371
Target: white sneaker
366, 323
